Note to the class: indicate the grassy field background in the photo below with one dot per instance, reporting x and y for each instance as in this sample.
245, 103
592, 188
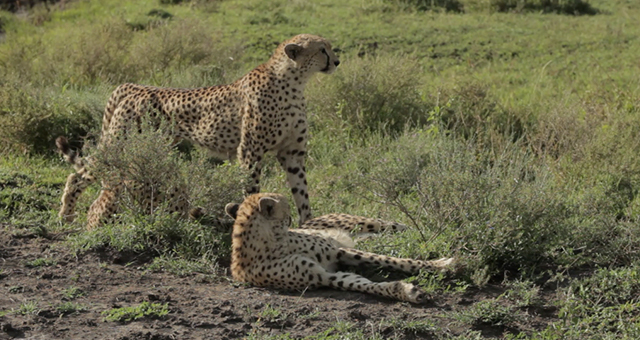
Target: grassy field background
505, 133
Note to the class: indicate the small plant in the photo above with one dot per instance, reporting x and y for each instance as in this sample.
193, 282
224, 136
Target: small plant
72, 293
416, 326
143, 310
27, 308
16, 289
184, 267
523, 293
69, 307
270, 314
491, 312
41, 262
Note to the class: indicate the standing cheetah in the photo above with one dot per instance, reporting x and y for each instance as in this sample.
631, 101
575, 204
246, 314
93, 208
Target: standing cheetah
261, 112
266, 253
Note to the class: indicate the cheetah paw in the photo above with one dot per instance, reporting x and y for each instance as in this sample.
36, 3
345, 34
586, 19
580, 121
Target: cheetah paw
412, 293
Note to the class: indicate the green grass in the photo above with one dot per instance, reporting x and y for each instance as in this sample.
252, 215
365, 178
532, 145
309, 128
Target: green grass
69, 307
132, 313
72, 293
41, 262
502, 132
27, 308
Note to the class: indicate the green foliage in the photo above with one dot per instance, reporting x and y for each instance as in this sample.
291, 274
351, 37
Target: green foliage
151, 162
41, 262
370, 94
180, 266
427, 5
604, 305
72, 293
117, 50
573, 7
31, 119
491, 312
523, 293
503, 209
143, 310
69, 307
27, 308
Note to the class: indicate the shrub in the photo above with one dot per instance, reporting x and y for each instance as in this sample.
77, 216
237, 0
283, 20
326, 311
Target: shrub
148, 158
502, 210
603, 305
573, 7
470, 111
433, 5
369, 94
30, 120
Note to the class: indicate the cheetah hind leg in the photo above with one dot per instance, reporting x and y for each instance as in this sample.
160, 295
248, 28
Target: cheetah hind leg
353, 224
355, 257
103, 208
312, 275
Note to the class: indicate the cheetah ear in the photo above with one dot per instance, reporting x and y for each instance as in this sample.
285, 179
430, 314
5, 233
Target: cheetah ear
267, 206
232, 210
293, 50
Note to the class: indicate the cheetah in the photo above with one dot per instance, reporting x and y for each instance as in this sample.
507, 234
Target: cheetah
264, 111
266, 253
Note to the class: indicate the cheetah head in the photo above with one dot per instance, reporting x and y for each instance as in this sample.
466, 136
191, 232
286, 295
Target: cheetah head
263, 209
311, 53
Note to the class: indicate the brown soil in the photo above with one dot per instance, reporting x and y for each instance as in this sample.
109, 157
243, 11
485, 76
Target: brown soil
199, 309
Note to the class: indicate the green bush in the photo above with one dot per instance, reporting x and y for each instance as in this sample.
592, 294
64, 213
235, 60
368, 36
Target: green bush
369, 94
117, 51
149, 159
31, 119
501, 211
433, 5
604, 305
573, 7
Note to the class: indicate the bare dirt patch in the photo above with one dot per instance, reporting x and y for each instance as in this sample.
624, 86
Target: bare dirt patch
31, 296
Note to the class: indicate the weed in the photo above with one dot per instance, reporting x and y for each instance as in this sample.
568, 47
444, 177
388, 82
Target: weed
491, 312
27, 308
523, 293
415, 327
184, 267
16, 289
72, 293
270, 313
143, 310
41, 262
69, 307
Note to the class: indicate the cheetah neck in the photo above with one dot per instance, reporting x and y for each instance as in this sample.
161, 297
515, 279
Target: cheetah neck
281, 67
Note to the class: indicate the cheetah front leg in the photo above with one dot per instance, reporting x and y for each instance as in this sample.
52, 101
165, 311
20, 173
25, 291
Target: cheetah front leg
77, 182
292, 161
298, 272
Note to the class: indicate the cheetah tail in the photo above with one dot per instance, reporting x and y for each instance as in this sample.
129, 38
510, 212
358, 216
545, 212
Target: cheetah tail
69, 155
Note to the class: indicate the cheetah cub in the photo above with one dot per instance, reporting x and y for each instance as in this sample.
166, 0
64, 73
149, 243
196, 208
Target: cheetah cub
267, 254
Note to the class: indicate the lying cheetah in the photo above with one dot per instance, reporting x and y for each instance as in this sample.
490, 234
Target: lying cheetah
266, 253
261, 112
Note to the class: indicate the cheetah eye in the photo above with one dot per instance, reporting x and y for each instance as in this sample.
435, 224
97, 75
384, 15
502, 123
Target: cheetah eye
324, 50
